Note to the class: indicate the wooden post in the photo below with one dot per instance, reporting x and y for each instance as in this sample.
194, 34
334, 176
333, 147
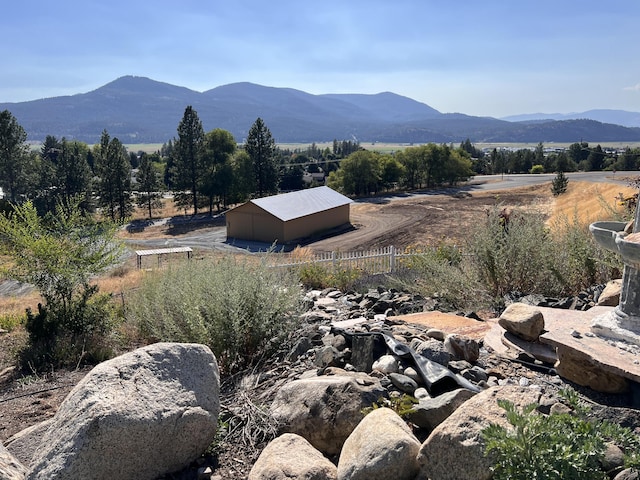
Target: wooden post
392, 262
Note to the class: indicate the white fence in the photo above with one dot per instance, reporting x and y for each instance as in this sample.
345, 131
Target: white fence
380, 260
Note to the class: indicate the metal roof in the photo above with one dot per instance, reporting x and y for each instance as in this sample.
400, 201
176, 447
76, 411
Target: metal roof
162, 251
288, 206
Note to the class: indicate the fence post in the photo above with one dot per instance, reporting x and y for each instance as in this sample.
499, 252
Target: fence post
392, 262
333, 259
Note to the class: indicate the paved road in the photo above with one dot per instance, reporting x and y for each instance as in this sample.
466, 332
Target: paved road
499, 182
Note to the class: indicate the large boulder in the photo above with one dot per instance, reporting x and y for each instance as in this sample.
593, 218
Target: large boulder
455, 449
291, 457
381, 447
10, 467
138, 416
523, 321
430, 412
324, 410
610, 296
25, 443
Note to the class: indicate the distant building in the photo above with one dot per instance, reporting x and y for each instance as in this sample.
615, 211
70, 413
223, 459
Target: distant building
289, 216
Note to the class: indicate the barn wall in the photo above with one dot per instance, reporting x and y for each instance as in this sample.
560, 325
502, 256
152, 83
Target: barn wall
249, 222
318, 222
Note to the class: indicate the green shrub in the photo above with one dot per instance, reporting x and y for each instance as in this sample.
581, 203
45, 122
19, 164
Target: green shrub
80, 332
317, 275
242, 308
403, 405
11, 321
444, 273
578, 260
537, 169
512, 253
555, 446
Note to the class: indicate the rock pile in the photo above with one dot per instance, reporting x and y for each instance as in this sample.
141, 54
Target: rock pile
356, 395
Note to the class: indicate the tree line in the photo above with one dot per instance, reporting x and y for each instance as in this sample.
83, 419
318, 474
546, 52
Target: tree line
204, 170
579, 156
209, 170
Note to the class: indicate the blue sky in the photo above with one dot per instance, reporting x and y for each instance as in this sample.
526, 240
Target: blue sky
489, 57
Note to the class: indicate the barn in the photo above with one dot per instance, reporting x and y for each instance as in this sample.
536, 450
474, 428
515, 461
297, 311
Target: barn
289, 216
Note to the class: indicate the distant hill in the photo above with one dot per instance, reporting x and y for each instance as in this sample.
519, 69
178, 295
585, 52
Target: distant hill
617, 117
141, 110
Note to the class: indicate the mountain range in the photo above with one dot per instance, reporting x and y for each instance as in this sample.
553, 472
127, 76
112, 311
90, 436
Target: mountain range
141, 110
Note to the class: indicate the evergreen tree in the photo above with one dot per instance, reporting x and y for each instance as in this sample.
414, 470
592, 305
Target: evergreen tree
149, 185
188, 150
261, 149
43, 192
559, 183
113, 185
73, 175
13, 156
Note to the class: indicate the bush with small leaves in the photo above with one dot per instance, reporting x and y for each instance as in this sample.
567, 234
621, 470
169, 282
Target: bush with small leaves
558, 446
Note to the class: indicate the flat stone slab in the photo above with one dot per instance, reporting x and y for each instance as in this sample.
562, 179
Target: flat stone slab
571, 330
352, 322
540, 351
447, 322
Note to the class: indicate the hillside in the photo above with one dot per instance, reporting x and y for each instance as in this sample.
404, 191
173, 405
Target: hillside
141, 110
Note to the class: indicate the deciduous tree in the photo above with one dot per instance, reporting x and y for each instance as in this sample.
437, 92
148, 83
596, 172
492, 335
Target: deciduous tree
219, 146
244, 181
59, 254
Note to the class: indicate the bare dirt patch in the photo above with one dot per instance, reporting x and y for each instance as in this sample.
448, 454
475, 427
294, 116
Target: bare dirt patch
427, 220
423, 220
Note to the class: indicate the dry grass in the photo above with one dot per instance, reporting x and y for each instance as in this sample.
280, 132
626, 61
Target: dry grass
168, 209
589, 201
16, 305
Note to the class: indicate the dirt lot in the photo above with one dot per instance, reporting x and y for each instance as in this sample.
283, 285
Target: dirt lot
425, 219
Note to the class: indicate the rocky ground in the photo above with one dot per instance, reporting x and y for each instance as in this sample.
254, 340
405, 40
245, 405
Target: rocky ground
245, 424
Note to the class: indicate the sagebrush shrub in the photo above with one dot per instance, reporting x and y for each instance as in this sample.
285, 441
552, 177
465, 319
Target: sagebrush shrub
578, 260
241, 308
443, 272
513, 253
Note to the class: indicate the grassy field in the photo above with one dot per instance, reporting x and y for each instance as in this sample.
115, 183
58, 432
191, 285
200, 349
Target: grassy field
383, 147
394, 147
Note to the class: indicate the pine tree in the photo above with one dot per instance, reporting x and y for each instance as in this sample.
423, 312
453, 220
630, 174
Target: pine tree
559, 183
149, 186
261, 148
13, 155
113, 169
188, 155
